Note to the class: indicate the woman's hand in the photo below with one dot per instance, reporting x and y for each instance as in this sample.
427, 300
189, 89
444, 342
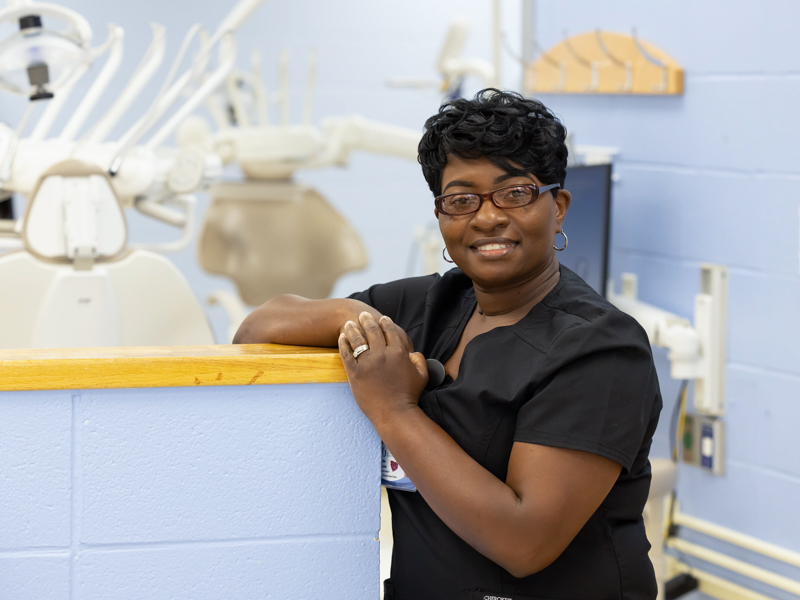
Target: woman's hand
388, 377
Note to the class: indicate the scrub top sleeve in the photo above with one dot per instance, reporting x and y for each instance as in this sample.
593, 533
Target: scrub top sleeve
599, 399
394, 299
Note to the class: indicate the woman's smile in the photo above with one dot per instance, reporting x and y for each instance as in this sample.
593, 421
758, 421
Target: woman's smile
493, 248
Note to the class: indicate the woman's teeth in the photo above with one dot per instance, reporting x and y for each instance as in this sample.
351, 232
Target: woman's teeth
495, 246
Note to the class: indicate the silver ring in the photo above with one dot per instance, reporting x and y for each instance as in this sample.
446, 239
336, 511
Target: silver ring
360, 350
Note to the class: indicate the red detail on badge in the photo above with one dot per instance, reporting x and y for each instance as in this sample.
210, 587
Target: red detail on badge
394, 465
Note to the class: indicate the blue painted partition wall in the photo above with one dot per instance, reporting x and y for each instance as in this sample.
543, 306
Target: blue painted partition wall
204, 493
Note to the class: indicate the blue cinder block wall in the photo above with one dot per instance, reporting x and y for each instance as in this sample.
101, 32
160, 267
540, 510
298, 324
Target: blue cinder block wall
245, 492
714, 176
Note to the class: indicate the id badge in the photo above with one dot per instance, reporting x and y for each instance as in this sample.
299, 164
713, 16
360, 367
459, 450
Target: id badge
392, 475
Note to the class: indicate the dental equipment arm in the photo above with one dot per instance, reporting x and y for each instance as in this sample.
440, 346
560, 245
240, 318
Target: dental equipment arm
259, 90
666, 330
116, 39
234, 20
55, 105
452, 66
237, 102
695, 352
345, 134
227, 59
167, 95
53, 109
185, 220
144, 72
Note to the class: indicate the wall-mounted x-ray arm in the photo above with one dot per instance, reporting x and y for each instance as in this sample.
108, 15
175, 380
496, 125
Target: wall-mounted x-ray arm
696, 351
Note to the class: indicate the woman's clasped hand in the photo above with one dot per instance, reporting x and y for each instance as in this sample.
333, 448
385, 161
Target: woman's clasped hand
389, 376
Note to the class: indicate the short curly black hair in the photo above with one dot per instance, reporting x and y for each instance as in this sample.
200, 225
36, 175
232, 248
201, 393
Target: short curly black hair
504, 127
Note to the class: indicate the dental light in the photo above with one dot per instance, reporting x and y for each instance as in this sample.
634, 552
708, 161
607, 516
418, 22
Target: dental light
37, 61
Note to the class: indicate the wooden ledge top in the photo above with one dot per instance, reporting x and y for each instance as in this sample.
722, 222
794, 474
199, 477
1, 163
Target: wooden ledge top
167, 366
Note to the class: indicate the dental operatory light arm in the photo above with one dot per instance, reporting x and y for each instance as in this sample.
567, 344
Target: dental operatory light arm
696, 351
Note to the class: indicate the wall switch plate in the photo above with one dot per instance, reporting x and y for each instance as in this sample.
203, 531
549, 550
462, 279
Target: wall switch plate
703, 443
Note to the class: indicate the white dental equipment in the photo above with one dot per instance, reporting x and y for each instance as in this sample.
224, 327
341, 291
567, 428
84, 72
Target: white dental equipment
696, 352
452, 66
268, 233
78, 282
37, 61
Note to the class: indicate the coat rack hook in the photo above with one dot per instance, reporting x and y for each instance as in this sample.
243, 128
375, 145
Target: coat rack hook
652, 60
626, 64
562, 68
593, 65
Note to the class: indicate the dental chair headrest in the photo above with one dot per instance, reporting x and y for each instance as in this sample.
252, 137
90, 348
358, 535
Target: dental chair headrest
72, 213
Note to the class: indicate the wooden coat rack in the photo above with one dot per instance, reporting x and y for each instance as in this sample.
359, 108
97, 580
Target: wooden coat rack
600, 62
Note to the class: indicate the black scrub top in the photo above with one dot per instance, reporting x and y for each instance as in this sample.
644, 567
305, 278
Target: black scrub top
576, 373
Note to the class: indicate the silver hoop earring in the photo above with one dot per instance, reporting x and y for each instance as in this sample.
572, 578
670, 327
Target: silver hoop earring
566, 241
444, 256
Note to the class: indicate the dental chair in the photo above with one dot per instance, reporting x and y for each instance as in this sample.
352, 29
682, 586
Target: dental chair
76, 283
277, 237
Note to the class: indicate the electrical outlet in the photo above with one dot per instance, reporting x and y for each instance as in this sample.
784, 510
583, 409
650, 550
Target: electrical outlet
703, 443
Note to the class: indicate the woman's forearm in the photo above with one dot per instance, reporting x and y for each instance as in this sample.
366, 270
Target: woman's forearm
522, 524
481, 509
298, 321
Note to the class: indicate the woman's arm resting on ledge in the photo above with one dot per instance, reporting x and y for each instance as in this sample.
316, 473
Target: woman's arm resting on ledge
297, 321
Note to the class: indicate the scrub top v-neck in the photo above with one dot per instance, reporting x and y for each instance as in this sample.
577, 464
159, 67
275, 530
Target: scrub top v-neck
574, 373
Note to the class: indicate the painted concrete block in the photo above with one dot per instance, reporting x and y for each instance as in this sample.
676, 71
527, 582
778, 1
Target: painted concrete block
33, 576
705, 128
762, 417
748, 499
226, 463
35, 472
332, 567
708, 217
664, 281
762, 315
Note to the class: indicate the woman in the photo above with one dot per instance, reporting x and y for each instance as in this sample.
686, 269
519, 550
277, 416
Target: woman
530, 459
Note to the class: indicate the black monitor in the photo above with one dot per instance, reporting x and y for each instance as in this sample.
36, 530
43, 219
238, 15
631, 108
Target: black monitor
587, 224
6, 208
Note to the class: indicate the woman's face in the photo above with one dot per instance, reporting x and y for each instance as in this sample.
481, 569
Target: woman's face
496, 247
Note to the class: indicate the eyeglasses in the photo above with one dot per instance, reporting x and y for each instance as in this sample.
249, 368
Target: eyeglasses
515, 196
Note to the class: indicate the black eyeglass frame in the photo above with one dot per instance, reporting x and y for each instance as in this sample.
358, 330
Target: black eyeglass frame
538, 191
